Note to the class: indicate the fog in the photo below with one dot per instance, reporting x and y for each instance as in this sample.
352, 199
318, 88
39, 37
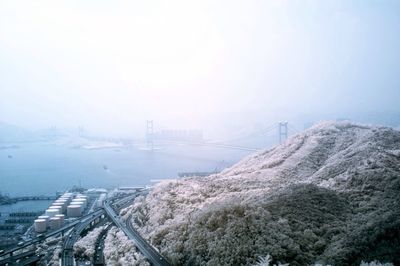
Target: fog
110, 66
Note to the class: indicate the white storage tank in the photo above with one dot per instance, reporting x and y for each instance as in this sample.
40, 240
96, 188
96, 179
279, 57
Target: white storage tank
54, 223
62, 200
62, 218
77, 204
79, 198
74, 210
40, 225
65, 197
65, 201
60, 204
83, 201
45, 217
59, 208
52, 212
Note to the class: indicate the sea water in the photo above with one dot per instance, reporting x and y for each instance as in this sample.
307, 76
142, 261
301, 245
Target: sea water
43, 168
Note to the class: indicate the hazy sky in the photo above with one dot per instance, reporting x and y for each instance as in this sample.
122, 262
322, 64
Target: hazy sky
110, 65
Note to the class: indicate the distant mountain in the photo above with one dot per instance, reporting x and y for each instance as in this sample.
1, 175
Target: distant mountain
11, 133
328, 195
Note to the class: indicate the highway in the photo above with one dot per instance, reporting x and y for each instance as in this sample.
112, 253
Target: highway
30, 260
26, 254
147, 250
45, 235
67, 258
98, 258
80, 224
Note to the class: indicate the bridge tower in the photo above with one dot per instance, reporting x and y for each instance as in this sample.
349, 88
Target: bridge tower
80, 131
150, 134
283, 131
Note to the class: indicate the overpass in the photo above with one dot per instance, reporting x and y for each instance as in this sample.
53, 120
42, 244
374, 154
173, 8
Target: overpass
41, 237
24, 255
144, 247
67, 258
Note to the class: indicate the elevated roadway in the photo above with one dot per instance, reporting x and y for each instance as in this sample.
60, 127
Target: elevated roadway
67, 258
22, 245
145, 248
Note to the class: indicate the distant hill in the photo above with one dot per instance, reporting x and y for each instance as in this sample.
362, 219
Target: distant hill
11, 133
328, 195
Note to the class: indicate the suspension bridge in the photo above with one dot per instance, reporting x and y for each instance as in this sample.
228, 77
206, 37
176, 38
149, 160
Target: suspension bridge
181, 137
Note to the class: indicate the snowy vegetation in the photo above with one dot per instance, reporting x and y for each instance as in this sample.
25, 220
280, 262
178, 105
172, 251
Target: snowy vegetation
85, 246
120, 251
330, 194
55, 259
53, 247
375, 263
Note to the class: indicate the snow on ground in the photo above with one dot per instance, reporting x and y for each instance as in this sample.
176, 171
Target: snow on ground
102, 145
55, 259
85, 246
329, 194
51, 248
119, 250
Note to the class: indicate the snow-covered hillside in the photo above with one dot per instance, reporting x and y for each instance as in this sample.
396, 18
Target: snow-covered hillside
328, 195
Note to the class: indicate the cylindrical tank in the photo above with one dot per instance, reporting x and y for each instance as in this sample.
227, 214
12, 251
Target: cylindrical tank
40, 225
66, 196
82, 198
59, 208
45, 217
79, 198
63, 201
62, 218
77, 204
83, 201
61, 204
54, 223
74, 210
52, 212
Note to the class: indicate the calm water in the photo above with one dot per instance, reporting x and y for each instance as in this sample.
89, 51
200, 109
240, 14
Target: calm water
43, 169
26, 206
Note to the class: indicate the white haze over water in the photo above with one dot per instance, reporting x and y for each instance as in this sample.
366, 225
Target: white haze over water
109, 66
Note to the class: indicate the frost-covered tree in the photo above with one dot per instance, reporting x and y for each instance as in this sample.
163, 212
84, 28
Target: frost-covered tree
85, 246
329, 194
119, 250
